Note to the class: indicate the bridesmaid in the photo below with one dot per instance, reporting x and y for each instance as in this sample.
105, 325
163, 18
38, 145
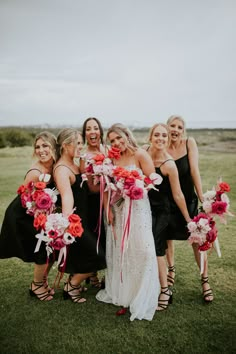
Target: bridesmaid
160, 203
18, 233
82, 258
185, 153
92, 132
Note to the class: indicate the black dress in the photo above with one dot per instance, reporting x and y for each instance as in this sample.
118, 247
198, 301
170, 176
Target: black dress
17, 238
82, 255
178, 229
160, 207
93, 217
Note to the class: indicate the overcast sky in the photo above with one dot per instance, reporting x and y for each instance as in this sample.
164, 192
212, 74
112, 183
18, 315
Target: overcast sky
130, 61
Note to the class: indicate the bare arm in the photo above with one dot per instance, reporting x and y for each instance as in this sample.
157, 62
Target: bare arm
32, 176
62, 177
172, 172
145, 162
193, 157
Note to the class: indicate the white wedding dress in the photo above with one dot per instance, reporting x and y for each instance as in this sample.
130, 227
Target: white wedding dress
132, 275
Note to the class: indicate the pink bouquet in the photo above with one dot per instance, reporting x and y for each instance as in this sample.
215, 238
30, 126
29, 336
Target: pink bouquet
216, 201
203, 231
37, 199
58, 231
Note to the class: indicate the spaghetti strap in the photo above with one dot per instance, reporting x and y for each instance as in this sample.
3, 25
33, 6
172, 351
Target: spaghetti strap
187, 145
166, 161
64, 166
32, 169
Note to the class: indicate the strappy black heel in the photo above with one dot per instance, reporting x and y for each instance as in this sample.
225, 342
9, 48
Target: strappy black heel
208, 292
94, 281
44, 295
46, 286
67, 293
170, 279
163, 304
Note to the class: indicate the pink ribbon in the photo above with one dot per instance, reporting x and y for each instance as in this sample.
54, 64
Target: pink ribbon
125, 234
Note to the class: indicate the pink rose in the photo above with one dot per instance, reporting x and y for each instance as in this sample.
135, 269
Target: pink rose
135, 193
219, 208
57, 244
44, 201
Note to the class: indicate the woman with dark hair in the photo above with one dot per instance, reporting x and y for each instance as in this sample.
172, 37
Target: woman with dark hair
82, 258
92, 133
17, 237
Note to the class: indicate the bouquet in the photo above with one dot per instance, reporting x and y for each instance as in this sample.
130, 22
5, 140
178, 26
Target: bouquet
37, 198
203, 231
99, 166
57, 231
132, 184
216, 201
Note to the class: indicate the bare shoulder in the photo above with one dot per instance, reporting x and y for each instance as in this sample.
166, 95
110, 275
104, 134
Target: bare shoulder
141, 153
145, 147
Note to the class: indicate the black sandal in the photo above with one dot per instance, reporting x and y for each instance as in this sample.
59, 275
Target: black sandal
94, 281
208, 292
170, 279
43, 296
163, 304
74, 297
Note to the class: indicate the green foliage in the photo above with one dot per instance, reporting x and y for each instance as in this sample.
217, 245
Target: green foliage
188, 326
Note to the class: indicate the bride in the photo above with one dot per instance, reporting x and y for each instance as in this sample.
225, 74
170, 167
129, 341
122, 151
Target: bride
132, 271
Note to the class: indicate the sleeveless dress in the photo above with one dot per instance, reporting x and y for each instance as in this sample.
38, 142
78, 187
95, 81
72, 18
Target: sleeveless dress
17, 238
82, 256
178, 229
160, 207
94, 212
132, 277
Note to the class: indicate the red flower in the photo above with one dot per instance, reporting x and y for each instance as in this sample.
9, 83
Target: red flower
211, 235
36, 194
219, 207
53, 233
99, 159
135, 193
205, 247
74, 218
21, 189
114, 153
44, 201
130, 181
135, 174
40, 185
39, 221
75, 229
57, 244
224, 187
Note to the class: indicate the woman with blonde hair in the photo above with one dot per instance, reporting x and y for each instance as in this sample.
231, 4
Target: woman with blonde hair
160, 203
82, 258
132, 272
18, 233
185, 153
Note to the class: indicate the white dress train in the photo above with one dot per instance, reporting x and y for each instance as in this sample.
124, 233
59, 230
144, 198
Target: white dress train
132, 276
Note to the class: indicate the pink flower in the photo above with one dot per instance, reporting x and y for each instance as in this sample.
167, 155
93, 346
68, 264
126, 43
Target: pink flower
57, 244
44, 201
129, 182
135, 193
219, 207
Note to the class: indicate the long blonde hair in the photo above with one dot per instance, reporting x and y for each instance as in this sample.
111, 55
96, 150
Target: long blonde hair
65, 137
181, 119
125, 133
48, 138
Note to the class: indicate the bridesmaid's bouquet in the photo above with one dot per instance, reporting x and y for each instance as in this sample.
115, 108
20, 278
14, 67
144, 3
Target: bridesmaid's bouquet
216, 201
57, 231
37, 198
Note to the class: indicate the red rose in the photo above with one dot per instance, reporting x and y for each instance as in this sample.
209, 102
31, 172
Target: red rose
224, 187
135, 193
75, 229
57, 244
39, 221
99, 159
44, 201
21, 189
36, 194
114, 153
205, 247
40, 185
219, 208
74, 218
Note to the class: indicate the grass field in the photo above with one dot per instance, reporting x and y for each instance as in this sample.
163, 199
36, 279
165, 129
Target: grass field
188, 326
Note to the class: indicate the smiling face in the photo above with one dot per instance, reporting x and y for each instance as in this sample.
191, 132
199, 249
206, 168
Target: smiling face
117, 141
92, 133
176, 127
159, 138
79, 146
43, 151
